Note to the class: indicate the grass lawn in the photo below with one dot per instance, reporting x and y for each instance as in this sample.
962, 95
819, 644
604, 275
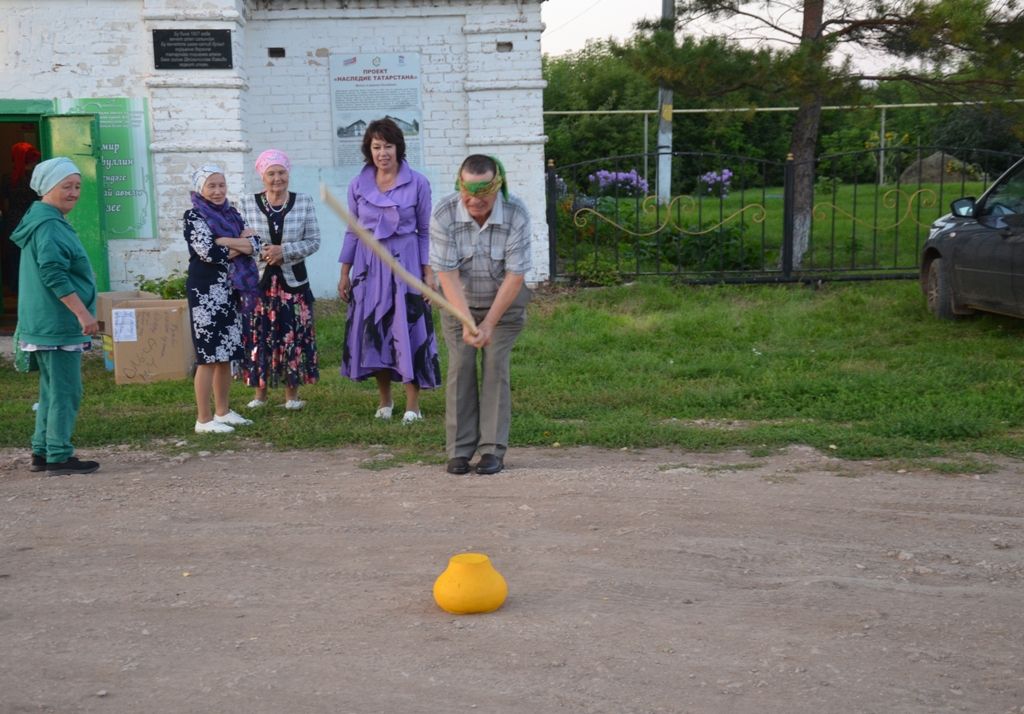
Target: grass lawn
859, 370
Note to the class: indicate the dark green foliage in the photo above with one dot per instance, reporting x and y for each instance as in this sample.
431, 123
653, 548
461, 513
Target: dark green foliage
593, 79
943, 50
722, 248
598, 78
997, 127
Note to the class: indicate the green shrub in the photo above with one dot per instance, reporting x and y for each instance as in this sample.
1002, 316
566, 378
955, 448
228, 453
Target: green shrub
721, 249
826, 185
699, 250
597, 271
171, 287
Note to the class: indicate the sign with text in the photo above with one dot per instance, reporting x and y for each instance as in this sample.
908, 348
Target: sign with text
192, 49
128, 198
365, 87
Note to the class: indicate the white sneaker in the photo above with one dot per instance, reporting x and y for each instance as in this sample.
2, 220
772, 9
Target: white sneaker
233, 418
384, 412
294, 404
213, 427
412, 417
257, 403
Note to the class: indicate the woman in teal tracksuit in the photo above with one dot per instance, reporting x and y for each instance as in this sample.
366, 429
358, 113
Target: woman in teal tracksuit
56, 312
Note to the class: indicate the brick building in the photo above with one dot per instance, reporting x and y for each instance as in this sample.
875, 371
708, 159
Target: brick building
82, 78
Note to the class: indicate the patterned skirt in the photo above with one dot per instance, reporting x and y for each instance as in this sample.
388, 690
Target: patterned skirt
280, 342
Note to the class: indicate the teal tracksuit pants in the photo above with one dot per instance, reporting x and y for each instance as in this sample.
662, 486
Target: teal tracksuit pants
60, 395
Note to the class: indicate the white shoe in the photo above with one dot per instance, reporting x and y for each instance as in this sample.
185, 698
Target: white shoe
384, 412
412, 417
213, 427
294, 404
233, 418
257, 403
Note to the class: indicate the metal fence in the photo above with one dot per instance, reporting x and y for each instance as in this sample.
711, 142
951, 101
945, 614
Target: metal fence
744, 219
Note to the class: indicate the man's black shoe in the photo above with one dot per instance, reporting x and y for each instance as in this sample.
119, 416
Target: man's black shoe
71, 466
489, 464
459, 465
38, 463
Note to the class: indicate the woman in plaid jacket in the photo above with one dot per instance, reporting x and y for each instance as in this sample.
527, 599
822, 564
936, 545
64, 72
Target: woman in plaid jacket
281, 339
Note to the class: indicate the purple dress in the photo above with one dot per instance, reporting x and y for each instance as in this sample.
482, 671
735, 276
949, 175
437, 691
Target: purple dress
390, 327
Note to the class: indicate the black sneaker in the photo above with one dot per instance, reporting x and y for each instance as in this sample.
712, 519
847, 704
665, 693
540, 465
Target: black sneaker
71, 466
38, 463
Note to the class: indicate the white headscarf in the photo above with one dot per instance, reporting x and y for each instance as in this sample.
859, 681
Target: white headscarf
200, 175
51, 172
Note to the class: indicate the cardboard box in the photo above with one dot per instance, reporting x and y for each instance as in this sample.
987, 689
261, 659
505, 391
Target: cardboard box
152, 341
105, 303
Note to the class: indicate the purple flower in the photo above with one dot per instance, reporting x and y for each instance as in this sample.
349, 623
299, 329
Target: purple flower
618, 183
716, 183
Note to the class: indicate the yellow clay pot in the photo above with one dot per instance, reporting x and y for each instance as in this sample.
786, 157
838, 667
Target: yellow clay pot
470, 584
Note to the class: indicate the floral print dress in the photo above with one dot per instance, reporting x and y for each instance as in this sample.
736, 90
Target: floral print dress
214, 305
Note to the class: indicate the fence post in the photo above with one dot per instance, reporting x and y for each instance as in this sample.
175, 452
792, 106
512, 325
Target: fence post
552, 191
881, 150
787, 217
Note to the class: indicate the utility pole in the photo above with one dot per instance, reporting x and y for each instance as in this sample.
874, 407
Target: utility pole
668, 14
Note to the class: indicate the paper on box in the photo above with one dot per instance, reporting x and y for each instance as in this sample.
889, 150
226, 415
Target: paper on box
105, 302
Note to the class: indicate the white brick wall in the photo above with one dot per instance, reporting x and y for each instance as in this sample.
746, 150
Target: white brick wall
481, 91
40, 59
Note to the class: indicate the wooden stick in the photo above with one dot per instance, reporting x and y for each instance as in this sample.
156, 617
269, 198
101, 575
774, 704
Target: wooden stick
375, 245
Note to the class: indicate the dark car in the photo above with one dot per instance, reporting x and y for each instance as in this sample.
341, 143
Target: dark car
974, 257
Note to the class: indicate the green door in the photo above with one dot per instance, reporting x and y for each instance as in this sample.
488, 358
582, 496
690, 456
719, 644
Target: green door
77, 137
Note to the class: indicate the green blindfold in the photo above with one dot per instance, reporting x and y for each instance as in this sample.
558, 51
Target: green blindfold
485, 188
480, 188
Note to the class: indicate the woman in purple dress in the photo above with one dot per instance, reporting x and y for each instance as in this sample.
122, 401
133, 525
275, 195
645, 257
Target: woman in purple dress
390, 330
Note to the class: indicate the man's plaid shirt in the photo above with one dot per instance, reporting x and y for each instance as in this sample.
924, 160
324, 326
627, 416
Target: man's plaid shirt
481, 255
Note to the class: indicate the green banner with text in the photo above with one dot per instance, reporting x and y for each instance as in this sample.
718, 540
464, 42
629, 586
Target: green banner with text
128, 198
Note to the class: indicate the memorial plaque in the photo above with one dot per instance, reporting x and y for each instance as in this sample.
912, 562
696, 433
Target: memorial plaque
192, 49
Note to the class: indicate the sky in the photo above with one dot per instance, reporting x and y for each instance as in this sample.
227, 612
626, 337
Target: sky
570, 23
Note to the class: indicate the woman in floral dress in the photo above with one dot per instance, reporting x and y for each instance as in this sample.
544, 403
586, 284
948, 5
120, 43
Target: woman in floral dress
215, 233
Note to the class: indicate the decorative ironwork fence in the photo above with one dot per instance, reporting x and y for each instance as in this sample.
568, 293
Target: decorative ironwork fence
744, 219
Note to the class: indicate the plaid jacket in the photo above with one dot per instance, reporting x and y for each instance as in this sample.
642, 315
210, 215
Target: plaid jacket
301, 232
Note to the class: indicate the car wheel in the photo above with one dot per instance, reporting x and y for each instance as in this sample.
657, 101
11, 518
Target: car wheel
940, 292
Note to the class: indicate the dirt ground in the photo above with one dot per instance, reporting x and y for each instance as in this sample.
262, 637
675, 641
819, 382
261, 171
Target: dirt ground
639, 581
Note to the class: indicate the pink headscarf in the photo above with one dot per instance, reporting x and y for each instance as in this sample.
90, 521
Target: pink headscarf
272, 157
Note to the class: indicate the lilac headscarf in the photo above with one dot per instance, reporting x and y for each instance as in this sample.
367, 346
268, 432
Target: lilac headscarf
223, 220
272, 157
